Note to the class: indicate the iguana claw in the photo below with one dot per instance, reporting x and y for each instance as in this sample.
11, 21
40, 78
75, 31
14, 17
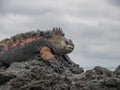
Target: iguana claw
57, 67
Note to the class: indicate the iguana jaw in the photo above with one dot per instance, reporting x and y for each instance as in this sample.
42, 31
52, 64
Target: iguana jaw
69, 48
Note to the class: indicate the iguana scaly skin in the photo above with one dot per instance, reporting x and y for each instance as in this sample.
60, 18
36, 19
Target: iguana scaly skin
24, 46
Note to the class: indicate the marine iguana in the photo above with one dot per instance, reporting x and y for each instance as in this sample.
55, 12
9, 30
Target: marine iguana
24, 46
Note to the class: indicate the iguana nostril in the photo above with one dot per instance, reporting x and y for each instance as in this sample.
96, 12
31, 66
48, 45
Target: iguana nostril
66, 42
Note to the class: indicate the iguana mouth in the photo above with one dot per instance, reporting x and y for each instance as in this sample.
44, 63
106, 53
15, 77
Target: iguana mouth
69, 48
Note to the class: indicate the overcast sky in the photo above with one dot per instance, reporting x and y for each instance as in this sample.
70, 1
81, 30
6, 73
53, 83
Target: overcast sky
93, 25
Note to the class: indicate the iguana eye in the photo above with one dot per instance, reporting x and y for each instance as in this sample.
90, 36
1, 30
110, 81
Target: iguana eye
66, 42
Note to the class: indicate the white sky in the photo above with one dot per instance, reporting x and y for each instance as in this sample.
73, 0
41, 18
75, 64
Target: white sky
93, 25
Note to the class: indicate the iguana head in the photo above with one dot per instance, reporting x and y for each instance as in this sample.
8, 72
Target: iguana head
61, 43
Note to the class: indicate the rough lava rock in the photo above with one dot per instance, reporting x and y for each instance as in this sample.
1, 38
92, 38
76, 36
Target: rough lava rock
36, 74
117, 72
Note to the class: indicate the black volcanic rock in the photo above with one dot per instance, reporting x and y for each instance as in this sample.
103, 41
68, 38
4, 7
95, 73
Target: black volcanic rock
103, 71
117, 71
36, 74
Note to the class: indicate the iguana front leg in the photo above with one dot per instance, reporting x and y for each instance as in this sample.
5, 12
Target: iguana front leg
47, 55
